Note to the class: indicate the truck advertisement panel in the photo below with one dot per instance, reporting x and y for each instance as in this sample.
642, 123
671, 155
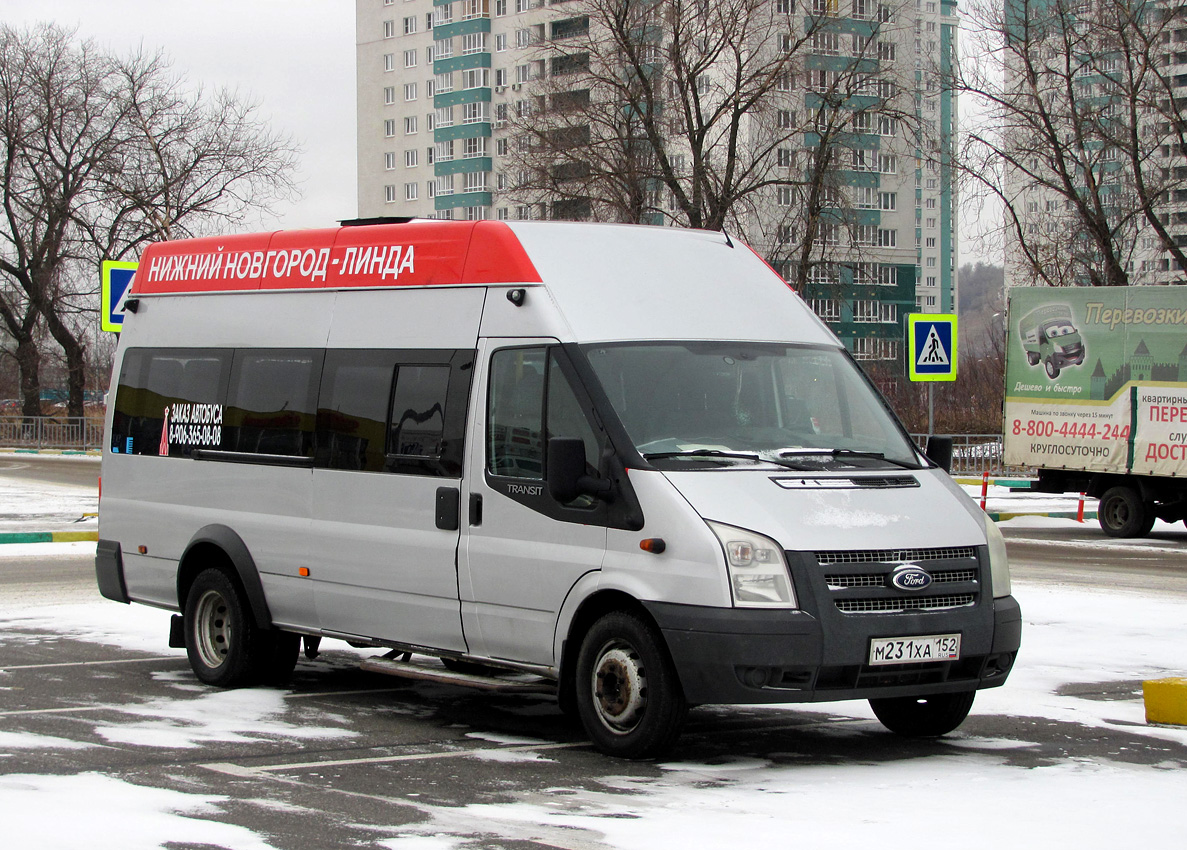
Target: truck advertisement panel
1096, 379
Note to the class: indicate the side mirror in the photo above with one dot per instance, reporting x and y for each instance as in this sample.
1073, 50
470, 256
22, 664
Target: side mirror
939, 452
566, 476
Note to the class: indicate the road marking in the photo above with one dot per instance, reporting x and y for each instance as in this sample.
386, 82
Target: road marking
94, 663
243, 770
72, 709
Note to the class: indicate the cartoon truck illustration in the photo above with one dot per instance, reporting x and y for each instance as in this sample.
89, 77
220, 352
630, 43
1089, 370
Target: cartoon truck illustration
1050, 336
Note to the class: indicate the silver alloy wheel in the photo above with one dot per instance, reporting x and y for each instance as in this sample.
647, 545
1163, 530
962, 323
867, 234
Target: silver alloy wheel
619, 687
212, 628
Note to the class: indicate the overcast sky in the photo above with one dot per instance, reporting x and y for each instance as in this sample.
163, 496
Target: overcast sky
296, 58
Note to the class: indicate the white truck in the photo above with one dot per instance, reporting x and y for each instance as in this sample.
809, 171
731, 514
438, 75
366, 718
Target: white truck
1115, 425
627, 460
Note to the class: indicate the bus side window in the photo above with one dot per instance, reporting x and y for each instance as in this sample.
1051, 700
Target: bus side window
271, 403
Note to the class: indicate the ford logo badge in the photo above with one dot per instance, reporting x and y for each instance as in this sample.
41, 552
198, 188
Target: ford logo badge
910, 577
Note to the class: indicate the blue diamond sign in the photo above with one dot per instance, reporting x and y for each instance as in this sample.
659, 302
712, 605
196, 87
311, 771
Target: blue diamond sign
931, 346
115, 280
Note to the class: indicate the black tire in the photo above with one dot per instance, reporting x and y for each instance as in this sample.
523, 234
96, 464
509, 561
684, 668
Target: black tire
1051, 368
1122, 513
628, 695
1032, 358
225, 646
923, 717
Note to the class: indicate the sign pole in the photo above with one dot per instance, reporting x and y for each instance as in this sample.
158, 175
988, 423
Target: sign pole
931, 408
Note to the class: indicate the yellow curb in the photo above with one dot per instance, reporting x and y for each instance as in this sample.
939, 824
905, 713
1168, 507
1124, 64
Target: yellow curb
1166, 701
75, 536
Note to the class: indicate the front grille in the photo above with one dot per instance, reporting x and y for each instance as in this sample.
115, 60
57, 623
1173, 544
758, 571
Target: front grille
850, 580
896, 605
893, 556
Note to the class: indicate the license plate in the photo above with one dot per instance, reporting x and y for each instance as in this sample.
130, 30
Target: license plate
914, 650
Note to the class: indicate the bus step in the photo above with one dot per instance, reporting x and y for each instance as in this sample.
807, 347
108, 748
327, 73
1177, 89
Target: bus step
512, 684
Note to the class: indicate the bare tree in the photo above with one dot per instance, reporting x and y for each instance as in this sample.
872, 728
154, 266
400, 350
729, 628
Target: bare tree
746, 115
1081, 119
98, 155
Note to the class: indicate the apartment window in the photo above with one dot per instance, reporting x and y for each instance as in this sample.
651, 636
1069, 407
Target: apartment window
783, 196
784, 157
863, 160
887, 238
410, 25
829, 234
865, 311
474, 42
931, 222
786, 119
430, 122
476, 78
445, 185
444, 151
828, 309
429, 88
389, 160
523, 73
931, 262
472, 113
931, 204
442, 14
931, 242
865, 197
409, 125
444, 117
887, 200
431, 189
474, 147
475, 9
826, 43
500, 77
410, 191
389, 62
474, 182
887, 126
409, 92
825, 7
888, 275
863, 122
865, 234
784, 7
886, 51
411, 158
824, 274
785, 81
501, 42
500, 8
523, 212
501, 146
501, 180
389, 127
389, 95
409, 58
930, 300
863, 9
887, 163
389, 193
522, 5
389, 29
442, 48
443, 83
502, 214
429, 156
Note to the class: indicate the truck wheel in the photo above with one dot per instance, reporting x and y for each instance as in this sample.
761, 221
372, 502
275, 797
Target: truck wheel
225, 647
1122, 513
923, 717
1032, 358
1051, 368
628, 696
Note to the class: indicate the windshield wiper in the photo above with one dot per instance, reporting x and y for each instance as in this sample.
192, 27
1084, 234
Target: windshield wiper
702, 453
838, 453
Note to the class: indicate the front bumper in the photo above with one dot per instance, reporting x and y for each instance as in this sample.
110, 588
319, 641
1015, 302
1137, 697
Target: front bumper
732, 655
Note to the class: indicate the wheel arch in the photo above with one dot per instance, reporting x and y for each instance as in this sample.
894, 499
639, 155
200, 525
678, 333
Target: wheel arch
219, 546
588, 612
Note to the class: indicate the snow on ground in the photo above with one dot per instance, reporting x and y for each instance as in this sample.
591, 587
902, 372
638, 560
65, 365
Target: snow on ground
975, 793
31, 506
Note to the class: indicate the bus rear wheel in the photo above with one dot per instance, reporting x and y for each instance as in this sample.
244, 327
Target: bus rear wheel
225, 647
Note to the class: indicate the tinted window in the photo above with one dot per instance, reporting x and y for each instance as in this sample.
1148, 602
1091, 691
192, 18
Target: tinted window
170, 402
271, 403
394, 411
352, 412
515, 424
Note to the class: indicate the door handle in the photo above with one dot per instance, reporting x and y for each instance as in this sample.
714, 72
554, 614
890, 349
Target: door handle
475, 509
448, 508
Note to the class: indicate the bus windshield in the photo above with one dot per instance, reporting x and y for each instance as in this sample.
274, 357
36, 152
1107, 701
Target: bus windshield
799, 406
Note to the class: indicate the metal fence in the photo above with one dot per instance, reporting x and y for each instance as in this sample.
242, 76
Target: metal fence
50, 432
973, 454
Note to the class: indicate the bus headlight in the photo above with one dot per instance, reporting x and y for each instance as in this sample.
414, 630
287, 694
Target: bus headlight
999, 563
757, 571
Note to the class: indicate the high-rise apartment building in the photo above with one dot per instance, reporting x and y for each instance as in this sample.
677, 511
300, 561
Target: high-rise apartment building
441, 84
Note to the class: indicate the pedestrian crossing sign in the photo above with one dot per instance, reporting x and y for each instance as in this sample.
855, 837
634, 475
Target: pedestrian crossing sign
931, 346
114, 281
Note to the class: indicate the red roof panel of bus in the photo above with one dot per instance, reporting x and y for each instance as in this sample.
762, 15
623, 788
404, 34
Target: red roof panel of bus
415, 253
